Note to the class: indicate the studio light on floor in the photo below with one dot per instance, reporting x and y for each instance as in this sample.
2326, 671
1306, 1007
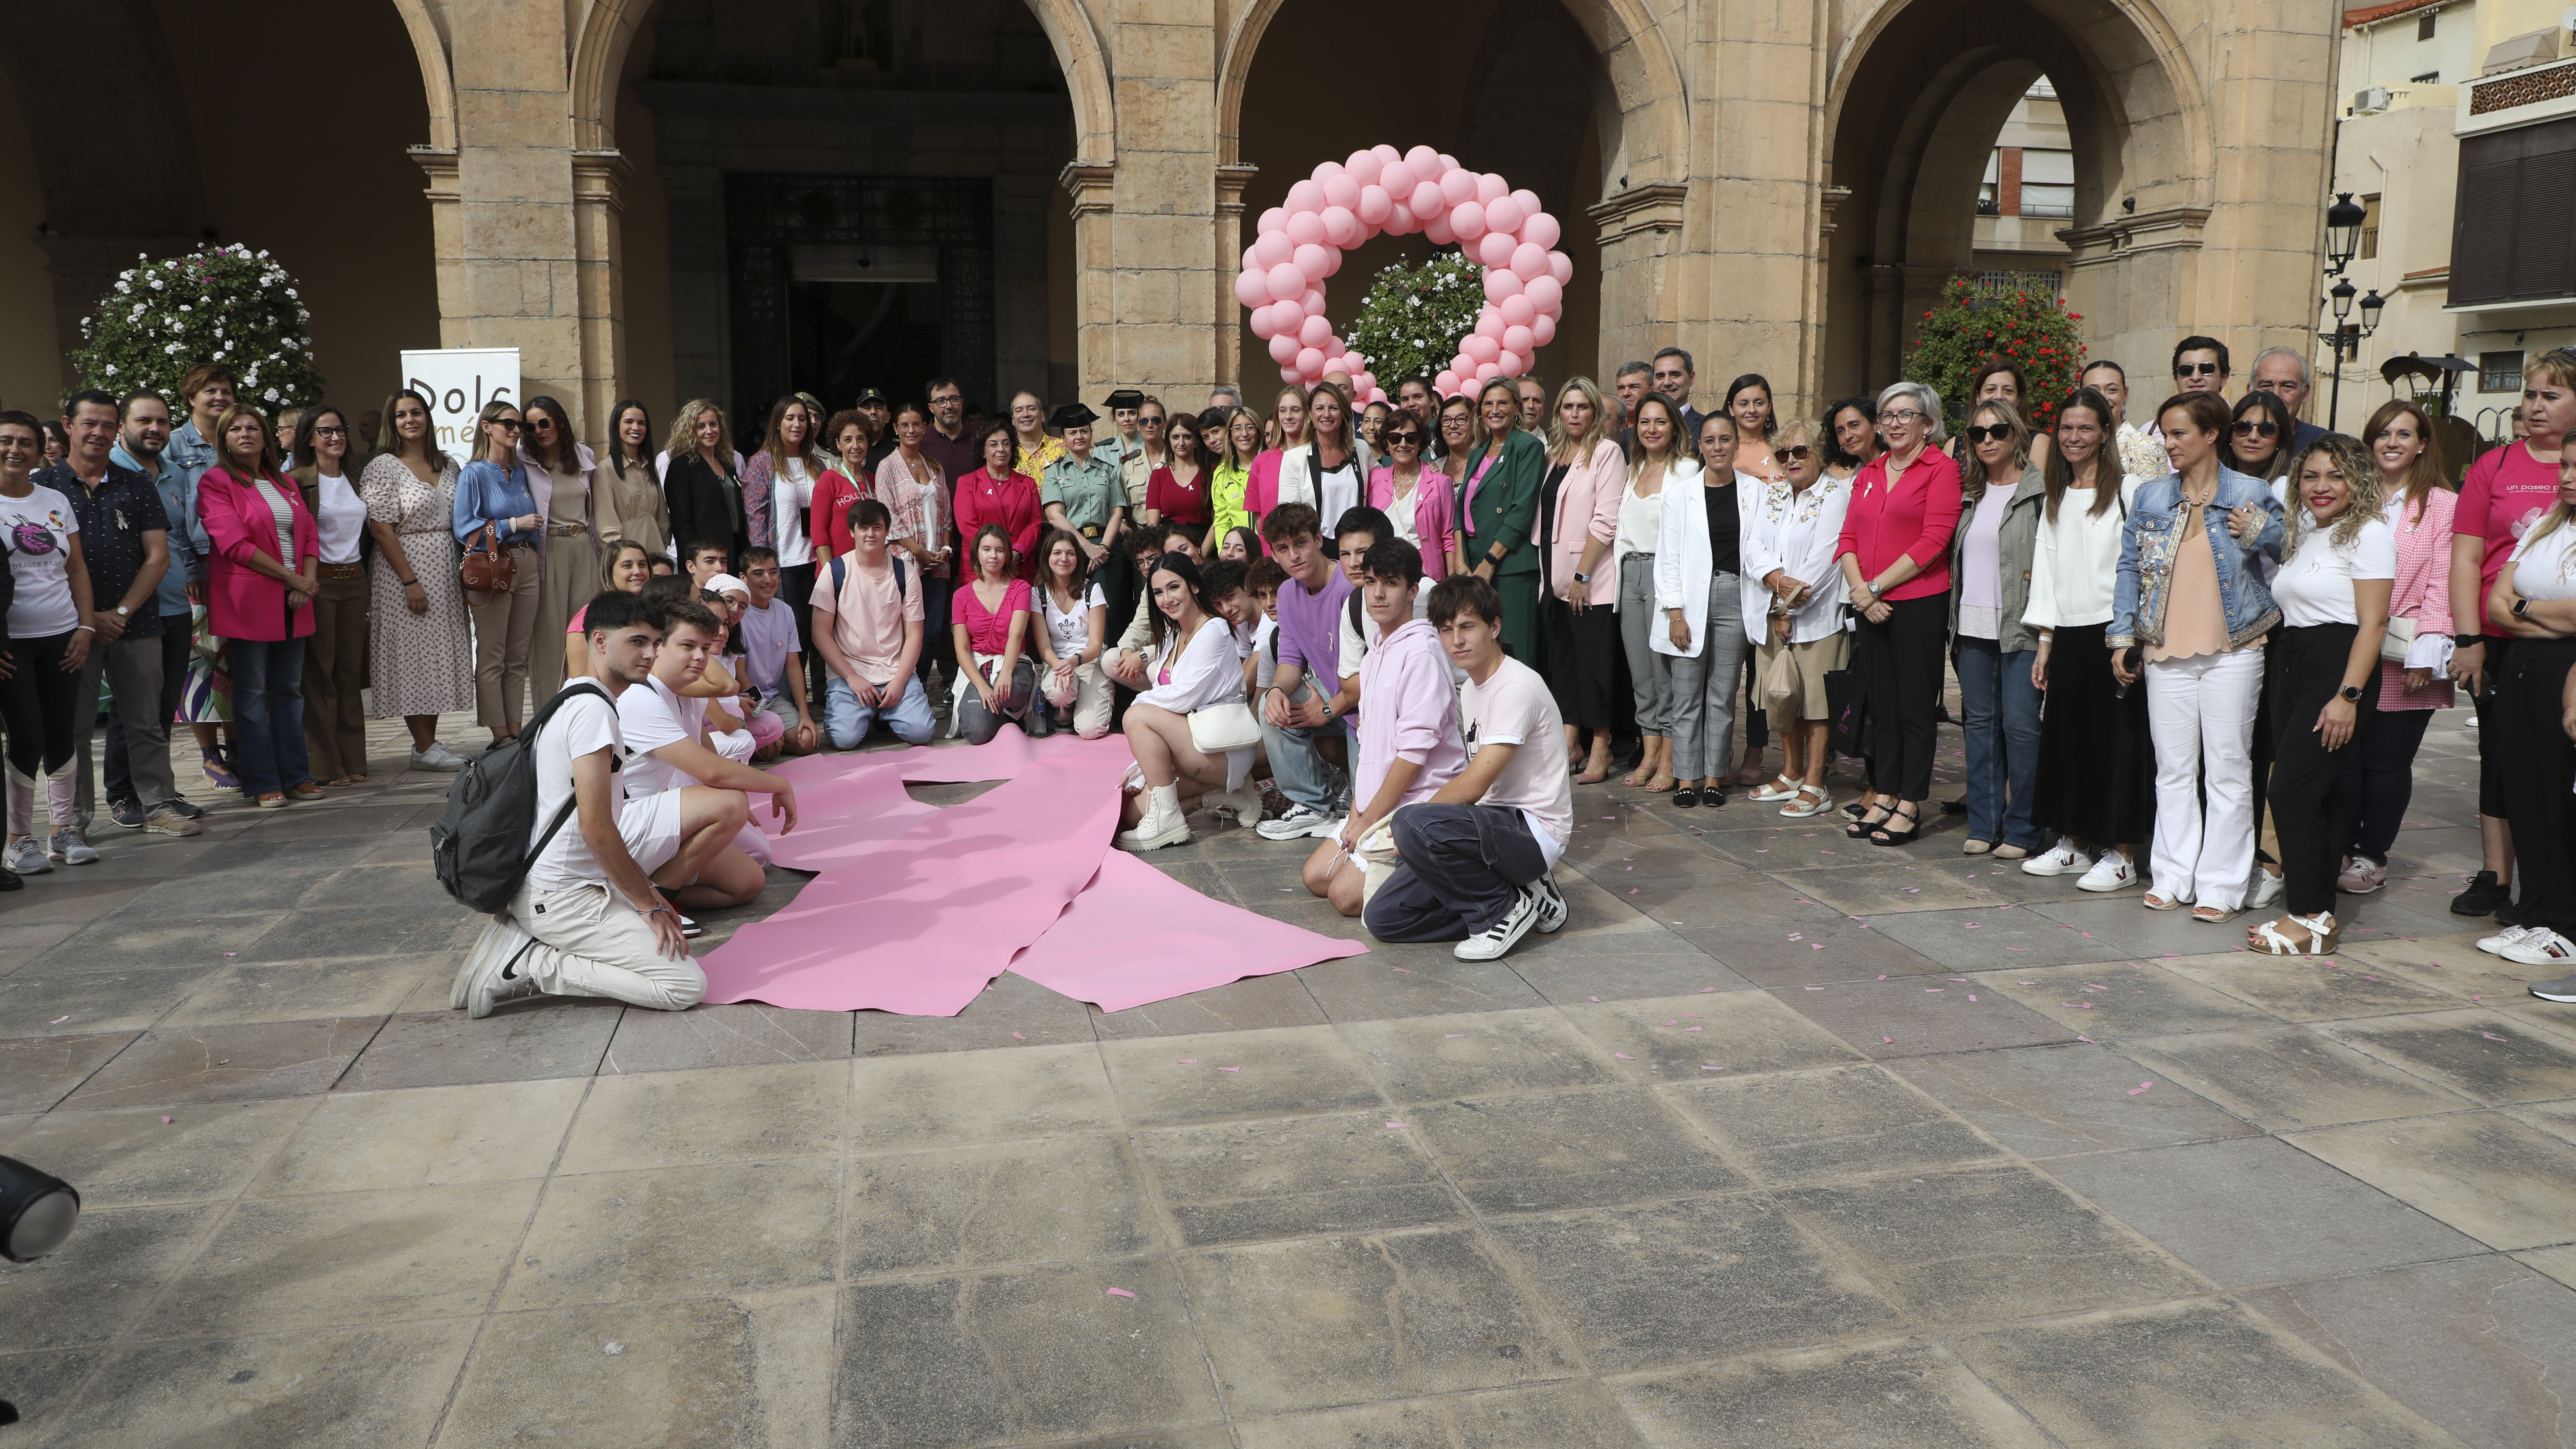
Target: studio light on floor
37, 1211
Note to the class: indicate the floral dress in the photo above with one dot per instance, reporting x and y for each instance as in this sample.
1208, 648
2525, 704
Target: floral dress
422, 663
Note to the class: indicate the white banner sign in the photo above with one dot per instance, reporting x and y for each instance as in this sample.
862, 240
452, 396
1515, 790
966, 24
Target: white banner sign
458, 382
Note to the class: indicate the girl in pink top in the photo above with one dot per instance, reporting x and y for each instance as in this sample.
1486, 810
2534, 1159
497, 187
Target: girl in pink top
1261, 486
995, 677
2379, 773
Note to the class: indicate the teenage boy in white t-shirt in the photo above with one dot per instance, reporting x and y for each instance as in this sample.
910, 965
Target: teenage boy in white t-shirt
588, 920
664, 730
1479, 856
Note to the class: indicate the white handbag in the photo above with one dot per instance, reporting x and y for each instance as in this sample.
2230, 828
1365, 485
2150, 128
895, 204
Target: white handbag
1218, 728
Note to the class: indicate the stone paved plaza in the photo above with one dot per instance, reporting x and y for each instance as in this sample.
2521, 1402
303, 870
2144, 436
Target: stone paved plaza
1785, 1141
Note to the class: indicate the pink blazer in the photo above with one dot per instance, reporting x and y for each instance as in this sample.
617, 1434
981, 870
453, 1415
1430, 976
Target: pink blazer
1433, 497
1587, 507
242, 603
2422, 591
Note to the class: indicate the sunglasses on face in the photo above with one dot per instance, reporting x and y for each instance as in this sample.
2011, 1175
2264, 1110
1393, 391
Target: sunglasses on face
1794, 453
2257, 428
1988, 433
1403, 439
513, 424
2196, 369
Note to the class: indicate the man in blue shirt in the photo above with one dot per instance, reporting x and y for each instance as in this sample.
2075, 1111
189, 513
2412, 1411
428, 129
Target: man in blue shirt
142, 445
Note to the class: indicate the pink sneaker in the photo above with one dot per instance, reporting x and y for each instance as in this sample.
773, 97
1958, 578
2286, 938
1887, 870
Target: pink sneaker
2360, 877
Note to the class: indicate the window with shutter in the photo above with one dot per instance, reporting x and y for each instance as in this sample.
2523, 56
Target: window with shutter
2513, 236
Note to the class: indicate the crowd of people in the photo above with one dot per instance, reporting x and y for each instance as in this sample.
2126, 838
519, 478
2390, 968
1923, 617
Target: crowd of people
2195, 651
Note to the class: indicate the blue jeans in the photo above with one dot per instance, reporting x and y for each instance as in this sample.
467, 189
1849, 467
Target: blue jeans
268, 714
847, 721
1304, 775
1999, 713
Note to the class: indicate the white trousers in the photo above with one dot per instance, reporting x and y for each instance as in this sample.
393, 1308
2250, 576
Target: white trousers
590, 944
2200, 712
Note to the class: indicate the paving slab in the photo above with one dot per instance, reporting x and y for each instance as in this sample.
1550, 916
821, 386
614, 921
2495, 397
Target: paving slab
2503, 1183
1547, 1152
1886, 1394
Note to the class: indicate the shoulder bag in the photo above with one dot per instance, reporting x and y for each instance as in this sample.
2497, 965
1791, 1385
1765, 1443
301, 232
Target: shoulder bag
486, 568
1217, 728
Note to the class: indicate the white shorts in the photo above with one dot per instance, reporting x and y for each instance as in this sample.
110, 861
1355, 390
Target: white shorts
650, 826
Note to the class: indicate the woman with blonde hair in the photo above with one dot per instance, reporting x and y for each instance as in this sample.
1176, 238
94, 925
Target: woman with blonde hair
1498, 509
702, 481
1578, 524
2379, 771
1793, 607
416, 623
1286, 434
497, 515
1233, 436
2001, 497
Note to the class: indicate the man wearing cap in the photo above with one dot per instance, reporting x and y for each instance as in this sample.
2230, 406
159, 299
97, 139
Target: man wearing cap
1081, 493
1152, 451
1122, 439
871, 404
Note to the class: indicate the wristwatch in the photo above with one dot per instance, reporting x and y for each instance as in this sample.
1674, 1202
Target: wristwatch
2351, 693
1581, 577
124, 611
2522, 608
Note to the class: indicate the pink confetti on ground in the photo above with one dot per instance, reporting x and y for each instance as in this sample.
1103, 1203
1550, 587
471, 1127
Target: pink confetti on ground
1596, 998
1705, 1068
2140, 1087
2088, 1041
2025, 983
1972, 925
1882, 976
1016, 1036
165, 1121
1972, 996
1407, 971
1120, 1293
1932, 989
1189, 1061
1889, 1040
1703, 991
1819, 988
1453, 1035
2491, 1036
2095, 986
1229, 1069
57, 1021
232, 953
1399, 1124
1694, 1028
2017, 948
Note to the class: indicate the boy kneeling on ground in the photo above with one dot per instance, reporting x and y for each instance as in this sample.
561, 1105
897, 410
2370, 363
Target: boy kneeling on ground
1409, 744
1477, 857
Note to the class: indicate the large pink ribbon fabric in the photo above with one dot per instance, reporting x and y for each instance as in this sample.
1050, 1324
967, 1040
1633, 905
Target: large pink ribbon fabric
917, 908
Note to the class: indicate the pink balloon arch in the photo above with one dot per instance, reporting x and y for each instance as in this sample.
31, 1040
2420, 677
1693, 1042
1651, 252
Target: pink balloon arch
1384, 191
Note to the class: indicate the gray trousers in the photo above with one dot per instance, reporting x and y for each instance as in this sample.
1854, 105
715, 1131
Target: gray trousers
1464, 866
1704, 684
1650, 674
132, 668
1012, 695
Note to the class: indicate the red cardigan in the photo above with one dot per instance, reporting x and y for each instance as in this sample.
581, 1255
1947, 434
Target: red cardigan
830, 524
1916, 519
241, 602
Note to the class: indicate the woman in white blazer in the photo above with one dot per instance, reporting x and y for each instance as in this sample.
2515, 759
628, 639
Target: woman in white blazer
1578, 522
1699, 586
1793, 605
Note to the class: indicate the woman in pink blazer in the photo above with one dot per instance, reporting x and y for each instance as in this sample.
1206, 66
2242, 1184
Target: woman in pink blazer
1415, 496
260, 581
1578, 520
2379, 774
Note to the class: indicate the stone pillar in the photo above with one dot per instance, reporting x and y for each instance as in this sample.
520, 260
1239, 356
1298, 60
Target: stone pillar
1230, 181
1641, 240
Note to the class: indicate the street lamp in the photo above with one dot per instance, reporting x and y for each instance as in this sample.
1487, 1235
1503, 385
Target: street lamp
2343, 231
2345, 337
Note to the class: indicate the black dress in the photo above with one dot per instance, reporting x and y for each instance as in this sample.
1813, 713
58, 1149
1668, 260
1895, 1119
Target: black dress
1579, 654
706, 506
2097, 763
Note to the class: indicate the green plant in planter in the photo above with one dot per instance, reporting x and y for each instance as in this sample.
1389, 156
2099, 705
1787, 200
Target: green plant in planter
225, 304
1970, 326
1413, 317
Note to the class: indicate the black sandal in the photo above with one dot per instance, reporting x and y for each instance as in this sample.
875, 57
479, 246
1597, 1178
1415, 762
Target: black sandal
1855, 810
1860, 828
1685, 797
1885, 836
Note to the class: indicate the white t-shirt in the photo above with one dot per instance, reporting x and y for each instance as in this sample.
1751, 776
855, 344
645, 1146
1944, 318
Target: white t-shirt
341, 521
2314, 585
40, 528
650, 716
2544, 565
1070, 633
1265, 648
582, 726
791, 499
1513, 707
1337, 492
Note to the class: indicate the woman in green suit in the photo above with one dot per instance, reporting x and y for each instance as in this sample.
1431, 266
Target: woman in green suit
1498, 509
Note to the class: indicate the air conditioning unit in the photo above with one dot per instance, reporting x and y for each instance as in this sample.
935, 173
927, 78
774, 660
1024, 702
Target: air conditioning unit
2370, 101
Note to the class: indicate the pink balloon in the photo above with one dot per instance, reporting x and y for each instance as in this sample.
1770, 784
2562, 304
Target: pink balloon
1481, 347
1510, 364
1252, 263
1286, 280
1498, 285
1448, 162
1543, 330
1458, 185
1252, 289
1272, 248
1400, 221
1518, 341
1386, 153
1490, 323
1467, 220
1340, 190
1398, 179
1305, 196
1305, 229
1488, 371
1342, 226
1528, 200
1332, 261
1517, 311
1314, 332
1260, 322
1325, 171
1446, 383
1542, 231
1364, 381
1437, 231
1363, 166
1491, 188
1561, 267
1529, 259
1375, 205
1310, 366
1543, 293
1271, 220
1428, 200
1494, 248
1504, 214
1311, 260
1283, 348
1288, 373
1310, 302
1424, 161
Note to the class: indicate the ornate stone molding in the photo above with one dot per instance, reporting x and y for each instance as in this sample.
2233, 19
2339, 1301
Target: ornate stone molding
1656, 208
601, 176
1827, 198
1089, 183
439, 163
1231, 178
2175, 228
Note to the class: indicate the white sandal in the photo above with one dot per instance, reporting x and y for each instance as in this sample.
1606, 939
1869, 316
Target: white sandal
1797, 809
1782, 788
2160, 901
2324, 934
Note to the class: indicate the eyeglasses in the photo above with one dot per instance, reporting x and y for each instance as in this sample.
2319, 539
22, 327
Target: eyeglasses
330, 432
1899, 417
1989, 433
513, 424
2195, 369
1407, 437
2256, 428
1794, 453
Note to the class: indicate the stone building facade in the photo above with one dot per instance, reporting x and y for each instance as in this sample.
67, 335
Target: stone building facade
652, 197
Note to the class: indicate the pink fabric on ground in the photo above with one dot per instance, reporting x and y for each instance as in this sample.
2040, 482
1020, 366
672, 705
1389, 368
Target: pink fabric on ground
1138, 936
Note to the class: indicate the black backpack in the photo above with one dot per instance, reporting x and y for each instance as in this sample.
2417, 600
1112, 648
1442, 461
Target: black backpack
479, 847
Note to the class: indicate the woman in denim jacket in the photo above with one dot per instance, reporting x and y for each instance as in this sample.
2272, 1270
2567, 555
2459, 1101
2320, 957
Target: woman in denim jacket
2192, 604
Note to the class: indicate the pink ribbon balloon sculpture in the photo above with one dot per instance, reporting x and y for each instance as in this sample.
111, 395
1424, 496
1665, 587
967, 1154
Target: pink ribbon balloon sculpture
1382, 190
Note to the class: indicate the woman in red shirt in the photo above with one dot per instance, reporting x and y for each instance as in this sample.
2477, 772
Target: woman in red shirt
999, 496
1895, 555
996, 677
1178, 491
834, 492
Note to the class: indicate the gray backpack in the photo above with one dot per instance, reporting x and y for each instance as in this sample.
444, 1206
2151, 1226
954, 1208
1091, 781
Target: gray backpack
479, 847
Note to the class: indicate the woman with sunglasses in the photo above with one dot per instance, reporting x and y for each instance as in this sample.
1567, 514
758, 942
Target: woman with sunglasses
1578, 517
2258, 440
1990, 559
1794, 609
1415, 497
497, 513
2258, 446
2379, 772
561, 476
1895, 557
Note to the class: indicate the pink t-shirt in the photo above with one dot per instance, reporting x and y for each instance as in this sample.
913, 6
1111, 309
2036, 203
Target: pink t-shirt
867, 619
989, 632
2503, 496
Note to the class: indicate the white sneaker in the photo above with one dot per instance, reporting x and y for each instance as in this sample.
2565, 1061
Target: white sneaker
437, 757
1552, 910
1490, 943
68, 847
1244, 804
489, 975
2540, 946
2058, 859
1299, 822
2112, 872
2266, 889
27, 857
2506, 939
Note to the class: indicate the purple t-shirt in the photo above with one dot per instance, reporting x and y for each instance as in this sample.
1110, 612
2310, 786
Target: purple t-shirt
767, 636
1310, 629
